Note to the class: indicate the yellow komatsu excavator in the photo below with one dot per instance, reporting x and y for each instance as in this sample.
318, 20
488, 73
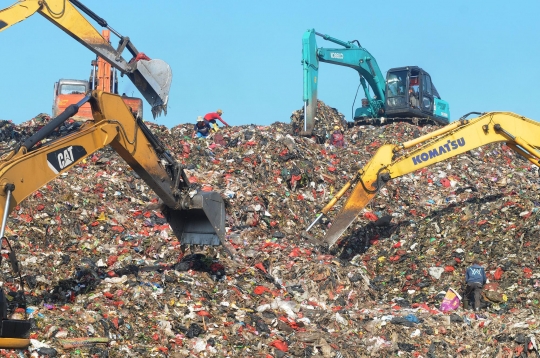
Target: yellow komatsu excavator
196, 217
392, 161
151, 77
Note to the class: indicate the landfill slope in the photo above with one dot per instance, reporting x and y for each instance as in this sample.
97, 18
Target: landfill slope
104, 275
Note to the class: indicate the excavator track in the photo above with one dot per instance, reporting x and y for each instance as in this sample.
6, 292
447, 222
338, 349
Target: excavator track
418, 121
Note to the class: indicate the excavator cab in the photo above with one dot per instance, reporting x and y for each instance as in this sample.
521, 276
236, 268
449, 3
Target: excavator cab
411, 94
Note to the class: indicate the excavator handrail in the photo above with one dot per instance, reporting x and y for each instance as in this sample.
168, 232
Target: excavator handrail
392, 161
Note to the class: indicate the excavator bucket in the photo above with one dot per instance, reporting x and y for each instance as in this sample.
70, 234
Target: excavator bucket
361, 194
153, 79
203, 223
358, 200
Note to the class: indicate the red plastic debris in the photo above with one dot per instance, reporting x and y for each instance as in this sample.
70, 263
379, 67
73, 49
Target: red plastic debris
260, 266
259, 290
204, 313
282, 346
498, 273
370, 216
112, 260
141, 56
445, 182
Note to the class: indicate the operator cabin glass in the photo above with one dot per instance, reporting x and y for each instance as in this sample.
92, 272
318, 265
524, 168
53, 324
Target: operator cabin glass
396, 88
426, 90
72, 89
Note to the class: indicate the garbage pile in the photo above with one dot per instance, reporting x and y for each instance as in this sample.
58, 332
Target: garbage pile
105, 277
326, 120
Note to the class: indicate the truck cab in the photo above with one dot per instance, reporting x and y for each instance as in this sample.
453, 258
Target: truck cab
410, 93
67, 92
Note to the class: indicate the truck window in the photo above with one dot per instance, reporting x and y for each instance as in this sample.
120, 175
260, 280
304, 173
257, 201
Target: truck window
72, 89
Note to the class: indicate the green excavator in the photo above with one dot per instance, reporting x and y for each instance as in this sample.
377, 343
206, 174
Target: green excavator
406, 93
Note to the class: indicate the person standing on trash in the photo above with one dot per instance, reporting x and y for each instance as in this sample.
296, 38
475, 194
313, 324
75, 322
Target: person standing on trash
475, 277
336, 138
202, 128
211, 118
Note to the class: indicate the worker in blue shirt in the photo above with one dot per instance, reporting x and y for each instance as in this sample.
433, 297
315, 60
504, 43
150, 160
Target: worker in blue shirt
201, 129
475, 277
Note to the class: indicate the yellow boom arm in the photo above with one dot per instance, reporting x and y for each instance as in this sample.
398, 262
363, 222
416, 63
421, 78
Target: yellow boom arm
392, 161
151, 77
195, 219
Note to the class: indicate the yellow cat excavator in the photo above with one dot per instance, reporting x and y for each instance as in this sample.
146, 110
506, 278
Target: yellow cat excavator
196, 217
151, 77
392, 161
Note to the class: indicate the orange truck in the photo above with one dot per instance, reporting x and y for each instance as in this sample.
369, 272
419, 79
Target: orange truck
102, 77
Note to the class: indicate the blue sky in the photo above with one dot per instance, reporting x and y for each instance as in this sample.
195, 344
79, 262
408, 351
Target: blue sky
245, 56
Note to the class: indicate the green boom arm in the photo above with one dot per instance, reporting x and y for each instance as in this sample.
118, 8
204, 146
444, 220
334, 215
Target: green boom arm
351, 55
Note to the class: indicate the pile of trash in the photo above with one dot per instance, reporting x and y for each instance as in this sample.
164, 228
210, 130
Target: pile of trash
105, 277
326, 121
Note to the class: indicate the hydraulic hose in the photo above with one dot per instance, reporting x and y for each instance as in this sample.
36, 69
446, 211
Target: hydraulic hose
101, 22
468, 114
44, 132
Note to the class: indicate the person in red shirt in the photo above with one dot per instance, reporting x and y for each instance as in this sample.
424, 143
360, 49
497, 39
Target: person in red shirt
212, 116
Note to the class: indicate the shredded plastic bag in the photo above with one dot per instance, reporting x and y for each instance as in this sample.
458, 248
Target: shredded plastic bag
451, 301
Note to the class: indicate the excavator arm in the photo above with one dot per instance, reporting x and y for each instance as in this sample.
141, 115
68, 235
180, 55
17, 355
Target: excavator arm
196, 218
151, 77
392, 161
351, 55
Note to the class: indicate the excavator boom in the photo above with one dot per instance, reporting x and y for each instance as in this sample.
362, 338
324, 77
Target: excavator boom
350, 55
392, 161
310, 62
151, 77
195, 219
